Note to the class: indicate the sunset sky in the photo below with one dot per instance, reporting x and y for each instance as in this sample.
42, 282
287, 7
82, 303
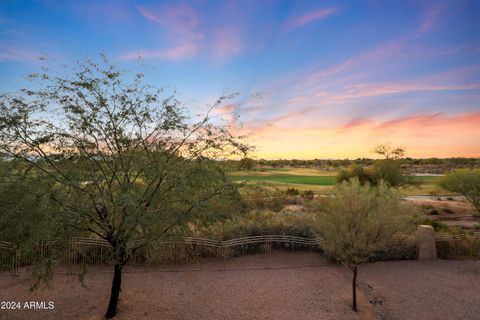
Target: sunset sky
317, 79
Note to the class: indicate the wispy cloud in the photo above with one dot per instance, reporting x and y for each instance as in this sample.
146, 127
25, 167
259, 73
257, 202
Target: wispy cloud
302, 20
13, 53
180, 24
188, 36
431, 17
419, 132
181, 19
226, 42
175, 53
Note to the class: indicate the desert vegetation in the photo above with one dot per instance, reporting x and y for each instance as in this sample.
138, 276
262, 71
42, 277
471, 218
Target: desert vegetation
102, 154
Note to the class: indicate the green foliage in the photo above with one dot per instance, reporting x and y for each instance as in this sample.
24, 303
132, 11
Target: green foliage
27, 215
293, 179
358, 221
438, 226
292, 192
364, 175
246, 164
308, 195
263, 197
113, 157
387, 170
465, 182
261, 222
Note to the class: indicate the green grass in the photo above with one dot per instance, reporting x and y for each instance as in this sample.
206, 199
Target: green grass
291, 179
320, 182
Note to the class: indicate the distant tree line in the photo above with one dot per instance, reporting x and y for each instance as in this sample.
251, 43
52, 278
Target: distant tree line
410, 164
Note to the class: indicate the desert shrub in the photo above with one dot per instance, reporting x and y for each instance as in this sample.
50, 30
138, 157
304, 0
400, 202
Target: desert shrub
294, 200
292, 192
401, 250
261, 222
308, 195
316, 205
438, 226
355, 171
465, 182
427, 207
447, 210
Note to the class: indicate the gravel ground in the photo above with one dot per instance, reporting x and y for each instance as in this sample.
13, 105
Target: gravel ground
300, 293
411, 290
423, 290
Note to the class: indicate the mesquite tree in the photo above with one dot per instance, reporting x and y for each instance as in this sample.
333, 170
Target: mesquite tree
465, 182
360, 221
116, 158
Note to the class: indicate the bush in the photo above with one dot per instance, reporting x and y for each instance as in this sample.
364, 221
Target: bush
263, 197
447, 210
308, 195
465, 182
261, 222
438, 226
292, 192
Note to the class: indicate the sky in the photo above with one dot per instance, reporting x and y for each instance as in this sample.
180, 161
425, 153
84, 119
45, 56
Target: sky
316, 79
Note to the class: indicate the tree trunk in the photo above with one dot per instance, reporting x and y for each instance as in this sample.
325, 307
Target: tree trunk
116, 286
354, 289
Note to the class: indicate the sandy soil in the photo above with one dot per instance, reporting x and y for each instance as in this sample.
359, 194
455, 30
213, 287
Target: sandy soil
437, 290
423, 290
300, 293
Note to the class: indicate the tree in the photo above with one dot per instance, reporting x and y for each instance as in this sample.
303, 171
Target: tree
359, 221
246, 164
116, 159
466, 182
389, 152
388, 170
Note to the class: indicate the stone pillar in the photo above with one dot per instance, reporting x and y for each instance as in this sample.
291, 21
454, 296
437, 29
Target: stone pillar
425, 243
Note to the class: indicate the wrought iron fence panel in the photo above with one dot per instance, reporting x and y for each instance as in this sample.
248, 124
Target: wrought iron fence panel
187, 254
458, 246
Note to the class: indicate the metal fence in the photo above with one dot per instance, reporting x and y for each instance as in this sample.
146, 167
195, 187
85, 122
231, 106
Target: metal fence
187, 254
458, 246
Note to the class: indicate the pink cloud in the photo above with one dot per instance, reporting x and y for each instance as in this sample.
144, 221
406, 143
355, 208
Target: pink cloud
175, 53
226, 42
180, 23
180, 20
431, 17
355, 123
420, 120
12, 53
309, 17
375, 90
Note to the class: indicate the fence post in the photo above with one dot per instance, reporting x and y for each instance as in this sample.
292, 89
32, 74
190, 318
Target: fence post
425, 241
